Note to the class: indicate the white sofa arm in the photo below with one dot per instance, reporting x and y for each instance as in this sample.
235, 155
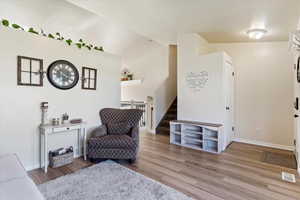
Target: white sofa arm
14, 182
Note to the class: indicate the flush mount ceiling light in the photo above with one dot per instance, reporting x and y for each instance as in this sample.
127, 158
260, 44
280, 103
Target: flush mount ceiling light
256, 33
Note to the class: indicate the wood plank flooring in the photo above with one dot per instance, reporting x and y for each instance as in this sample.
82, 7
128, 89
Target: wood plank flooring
236, 174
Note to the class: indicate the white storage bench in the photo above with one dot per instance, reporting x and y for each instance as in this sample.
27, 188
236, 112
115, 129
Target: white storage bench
197, 135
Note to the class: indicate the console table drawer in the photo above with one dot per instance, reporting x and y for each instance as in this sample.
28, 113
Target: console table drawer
63, 129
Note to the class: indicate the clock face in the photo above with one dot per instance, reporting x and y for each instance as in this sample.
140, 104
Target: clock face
63, 74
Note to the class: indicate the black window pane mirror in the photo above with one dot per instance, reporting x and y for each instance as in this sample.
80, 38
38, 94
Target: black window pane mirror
30, 71
89, 78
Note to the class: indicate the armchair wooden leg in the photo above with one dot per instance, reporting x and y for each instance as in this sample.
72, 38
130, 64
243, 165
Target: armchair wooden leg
97, 160
132, 161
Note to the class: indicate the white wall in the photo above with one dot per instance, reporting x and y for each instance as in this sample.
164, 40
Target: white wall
206, 104
263, 87
190, 47
152, 63
263, 91
20, 106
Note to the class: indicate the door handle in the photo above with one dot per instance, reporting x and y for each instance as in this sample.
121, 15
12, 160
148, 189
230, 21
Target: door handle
296, 116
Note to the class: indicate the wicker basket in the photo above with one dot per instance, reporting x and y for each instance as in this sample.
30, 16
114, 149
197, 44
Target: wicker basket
61, 160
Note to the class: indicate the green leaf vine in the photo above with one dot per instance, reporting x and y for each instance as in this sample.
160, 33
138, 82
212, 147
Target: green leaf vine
5, 22
57, 36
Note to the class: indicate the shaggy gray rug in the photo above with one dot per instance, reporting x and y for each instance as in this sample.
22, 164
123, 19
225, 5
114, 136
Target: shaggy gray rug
108, 181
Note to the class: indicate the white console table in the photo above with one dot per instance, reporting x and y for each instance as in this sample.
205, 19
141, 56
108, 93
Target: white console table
48, 130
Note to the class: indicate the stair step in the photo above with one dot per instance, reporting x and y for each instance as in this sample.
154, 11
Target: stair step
164, 126
172, 112
163, 130
165, 123
171, 117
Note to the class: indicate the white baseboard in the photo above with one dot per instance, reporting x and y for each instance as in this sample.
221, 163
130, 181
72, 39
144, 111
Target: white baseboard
37, 166
265, 144
29, 168
152, 132
147, 130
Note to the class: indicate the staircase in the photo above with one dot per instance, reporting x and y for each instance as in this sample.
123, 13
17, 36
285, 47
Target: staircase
163, 127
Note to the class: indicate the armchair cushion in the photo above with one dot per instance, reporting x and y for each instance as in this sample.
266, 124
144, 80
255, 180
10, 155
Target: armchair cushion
120, 128
113, 142
99, 131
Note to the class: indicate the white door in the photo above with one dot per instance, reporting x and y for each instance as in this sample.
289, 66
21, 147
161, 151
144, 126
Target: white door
229, 101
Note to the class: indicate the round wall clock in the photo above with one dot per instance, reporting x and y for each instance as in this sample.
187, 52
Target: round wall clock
63, 74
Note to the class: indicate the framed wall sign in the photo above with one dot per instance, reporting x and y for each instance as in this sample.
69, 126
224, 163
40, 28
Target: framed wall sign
89, 78
197, 80
30, 71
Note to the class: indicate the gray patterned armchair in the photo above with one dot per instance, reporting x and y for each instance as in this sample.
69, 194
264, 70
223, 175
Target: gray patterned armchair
117, 137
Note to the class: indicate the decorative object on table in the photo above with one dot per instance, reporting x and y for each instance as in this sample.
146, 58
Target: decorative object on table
76, 121
44, 108
30, 71
64, 118
130, 76
63, 75
117, 137
55, 121
124, 184
126, 75
61, 157
89, 78
57, 36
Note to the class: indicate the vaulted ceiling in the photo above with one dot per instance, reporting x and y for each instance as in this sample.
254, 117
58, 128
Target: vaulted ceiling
121, 24
216, 20
71, 21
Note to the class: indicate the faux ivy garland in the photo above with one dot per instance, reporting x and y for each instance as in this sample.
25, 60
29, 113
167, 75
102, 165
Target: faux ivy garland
57, 36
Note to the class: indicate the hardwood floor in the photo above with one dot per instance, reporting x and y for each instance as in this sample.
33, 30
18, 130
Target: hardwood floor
236, 174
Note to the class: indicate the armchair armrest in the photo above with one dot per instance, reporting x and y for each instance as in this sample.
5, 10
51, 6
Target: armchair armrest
99, 131
134, 134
